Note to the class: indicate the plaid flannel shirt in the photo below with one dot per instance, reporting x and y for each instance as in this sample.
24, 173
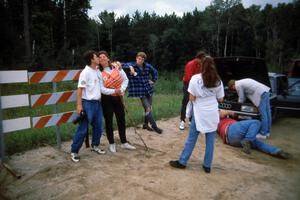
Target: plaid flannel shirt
139, 85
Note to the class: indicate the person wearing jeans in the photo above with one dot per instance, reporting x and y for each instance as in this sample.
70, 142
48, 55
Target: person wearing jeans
90, 86
191, 68
259, 95
205, 89
142, 77
243, 134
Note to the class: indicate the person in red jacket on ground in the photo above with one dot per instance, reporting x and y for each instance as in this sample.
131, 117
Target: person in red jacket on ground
191, 68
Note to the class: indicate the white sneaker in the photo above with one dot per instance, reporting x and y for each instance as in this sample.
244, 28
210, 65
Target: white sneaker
75, 157
260, 136
112, 148
97, 150
127, 146
181, 125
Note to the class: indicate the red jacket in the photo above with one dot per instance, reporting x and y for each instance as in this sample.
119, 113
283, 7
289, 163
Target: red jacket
191, 68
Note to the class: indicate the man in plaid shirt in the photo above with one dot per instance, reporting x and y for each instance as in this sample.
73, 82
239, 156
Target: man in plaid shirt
142, 77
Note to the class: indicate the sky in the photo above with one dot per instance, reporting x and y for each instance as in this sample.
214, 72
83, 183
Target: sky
161, 7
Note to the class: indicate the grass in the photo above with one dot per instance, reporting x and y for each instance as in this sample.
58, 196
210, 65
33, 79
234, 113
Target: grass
166, 103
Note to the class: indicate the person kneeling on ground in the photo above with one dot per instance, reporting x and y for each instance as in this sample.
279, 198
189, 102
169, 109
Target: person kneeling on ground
243, 134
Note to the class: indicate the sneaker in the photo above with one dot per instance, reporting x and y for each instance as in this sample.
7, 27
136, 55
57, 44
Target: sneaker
127, 146
206, 169
146, 126
246, 145
176, 164
283, 155
112, 148
157, 130
181, 125
97, 150
260, 136
75, 157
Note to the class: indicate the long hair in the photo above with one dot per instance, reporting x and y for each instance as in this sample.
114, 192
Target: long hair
210, 75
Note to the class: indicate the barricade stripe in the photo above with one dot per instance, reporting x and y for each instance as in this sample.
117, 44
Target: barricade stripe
42, 100
72, 75
42, 121
76, 77
64, 118
36, 77
60, 75
65, 96
49, 76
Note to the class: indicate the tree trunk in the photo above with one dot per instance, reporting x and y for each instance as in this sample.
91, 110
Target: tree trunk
26, 32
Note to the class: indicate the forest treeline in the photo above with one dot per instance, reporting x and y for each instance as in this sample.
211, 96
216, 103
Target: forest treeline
53, 34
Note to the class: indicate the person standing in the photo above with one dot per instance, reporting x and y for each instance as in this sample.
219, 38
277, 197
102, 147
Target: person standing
90, 86
205, 89
114, 77
243, 134
259, 95
142, 77
191, 68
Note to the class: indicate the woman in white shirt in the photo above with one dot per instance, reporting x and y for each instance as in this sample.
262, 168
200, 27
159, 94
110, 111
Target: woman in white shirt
205, 89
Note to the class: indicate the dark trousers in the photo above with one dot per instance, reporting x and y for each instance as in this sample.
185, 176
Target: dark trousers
147, 105
113, 105
185, 100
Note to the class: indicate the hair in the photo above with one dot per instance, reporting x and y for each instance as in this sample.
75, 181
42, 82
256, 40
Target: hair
230, 84
142, 54
106, 54
210, 74
88, 56
200, 54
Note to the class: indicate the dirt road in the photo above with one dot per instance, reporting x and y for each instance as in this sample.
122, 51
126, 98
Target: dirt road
50, 174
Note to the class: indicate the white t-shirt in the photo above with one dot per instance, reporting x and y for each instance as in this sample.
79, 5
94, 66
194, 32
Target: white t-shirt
250, 88
205, 106
91, 80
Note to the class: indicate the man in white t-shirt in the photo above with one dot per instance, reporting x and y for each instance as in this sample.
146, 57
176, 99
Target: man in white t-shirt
259, 95
90, 86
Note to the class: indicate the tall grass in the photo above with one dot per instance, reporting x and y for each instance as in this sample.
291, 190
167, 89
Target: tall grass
166, 103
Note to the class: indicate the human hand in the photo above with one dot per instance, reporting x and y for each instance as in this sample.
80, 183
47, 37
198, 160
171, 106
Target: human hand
151, 82
132, 72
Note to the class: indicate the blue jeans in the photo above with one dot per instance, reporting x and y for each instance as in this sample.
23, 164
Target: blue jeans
247, 130
190, 144
93, 111
265, 113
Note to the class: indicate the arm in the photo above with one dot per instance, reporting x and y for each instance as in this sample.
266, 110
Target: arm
124, 82
79, 100
154, 73
192, 97
241, 95
105, 90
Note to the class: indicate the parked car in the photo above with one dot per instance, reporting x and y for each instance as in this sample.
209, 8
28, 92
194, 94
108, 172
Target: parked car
240, 68
287, 91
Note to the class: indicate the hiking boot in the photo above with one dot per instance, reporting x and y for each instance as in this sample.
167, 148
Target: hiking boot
176, 164
246, 145
181, 125
157, 130
206, 169
97, 150
112, 148
127, 146
146, 126
283, 155
75, 157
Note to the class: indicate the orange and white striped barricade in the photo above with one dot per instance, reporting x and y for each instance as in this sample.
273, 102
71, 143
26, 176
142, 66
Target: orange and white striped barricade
12, 101
52, 98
